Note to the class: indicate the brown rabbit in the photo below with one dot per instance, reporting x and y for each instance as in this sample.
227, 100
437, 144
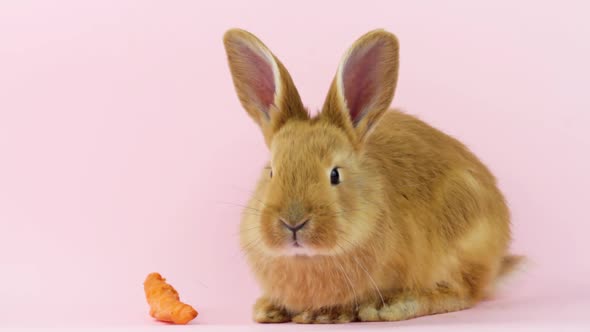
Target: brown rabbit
362, 213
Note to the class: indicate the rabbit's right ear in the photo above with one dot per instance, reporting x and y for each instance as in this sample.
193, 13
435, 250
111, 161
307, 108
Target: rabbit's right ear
262, 83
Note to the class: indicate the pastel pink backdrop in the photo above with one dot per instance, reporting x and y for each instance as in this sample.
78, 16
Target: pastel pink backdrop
124, 150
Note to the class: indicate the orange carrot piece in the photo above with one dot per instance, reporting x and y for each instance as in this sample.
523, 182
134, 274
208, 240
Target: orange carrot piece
164, 301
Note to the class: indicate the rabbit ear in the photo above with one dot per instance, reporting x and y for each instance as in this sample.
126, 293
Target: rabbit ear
262, 83
365, 83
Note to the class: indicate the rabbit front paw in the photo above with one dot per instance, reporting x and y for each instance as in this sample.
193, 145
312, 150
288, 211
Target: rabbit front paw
267, 312
332, 315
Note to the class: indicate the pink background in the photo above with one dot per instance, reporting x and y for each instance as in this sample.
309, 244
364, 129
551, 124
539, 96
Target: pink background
124, 149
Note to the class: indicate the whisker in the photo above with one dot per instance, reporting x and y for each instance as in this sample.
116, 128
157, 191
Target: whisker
252, 193
373, 283
349, 282
202, 283
259, 201
241, 206
251, 228
346, 234
339, 213
245, 249
250, 245
256, 214
246, 230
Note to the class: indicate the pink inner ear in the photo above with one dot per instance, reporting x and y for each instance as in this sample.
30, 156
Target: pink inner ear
360, 80
260, 77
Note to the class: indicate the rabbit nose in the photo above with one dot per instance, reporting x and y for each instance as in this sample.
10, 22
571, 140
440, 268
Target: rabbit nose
294, 228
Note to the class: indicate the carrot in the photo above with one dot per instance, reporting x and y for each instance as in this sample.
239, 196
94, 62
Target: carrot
164, 301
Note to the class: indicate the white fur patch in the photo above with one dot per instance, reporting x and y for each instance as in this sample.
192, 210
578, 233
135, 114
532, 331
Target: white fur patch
502, 281
298, 251
275, 70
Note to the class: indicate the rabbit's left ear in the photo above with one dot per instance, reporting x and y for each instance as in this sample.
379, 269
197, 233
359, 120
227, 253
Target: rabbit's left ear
364, 84
262, 83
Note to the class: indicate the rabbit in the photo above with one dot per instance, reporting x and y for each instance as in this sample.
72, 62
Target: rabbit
363, 213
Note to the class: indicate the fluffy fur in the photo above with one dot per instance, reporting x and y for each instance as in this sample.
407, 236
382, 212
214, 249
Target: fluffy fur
417, 225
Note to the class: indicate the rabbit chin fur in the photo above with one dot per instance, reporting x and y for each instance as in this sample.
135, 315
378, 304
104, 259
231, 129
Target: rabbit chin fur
415, 224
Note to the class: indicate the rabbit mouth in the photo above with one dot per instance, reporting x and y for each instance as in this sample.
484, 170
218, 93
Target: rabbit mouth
296, 243
296, 248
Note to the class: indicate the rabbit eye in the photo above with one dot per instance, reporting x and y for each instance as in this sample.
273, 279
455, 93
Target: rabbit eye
335, 176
